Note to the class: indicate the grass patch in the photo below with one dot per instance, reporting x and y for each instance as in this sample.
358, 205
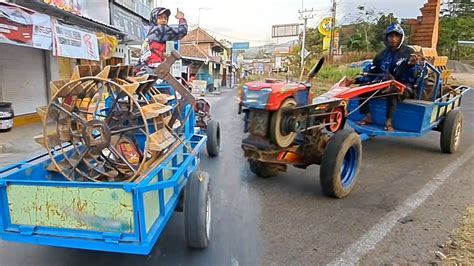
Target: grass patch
460, 249
334, 74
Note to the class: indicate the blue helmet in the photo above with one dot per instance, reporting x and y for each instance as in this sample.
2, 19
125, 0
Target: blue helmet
395, 28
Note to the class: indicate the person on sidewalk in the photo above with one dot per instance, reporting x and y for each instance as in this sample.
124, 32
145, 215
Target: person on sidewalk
396, 61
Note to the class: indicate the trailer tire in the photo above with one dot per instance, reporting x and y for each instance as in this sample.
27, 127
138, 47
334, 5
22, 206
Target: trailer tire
340, 164
451, 131
262, 169
213, 138
197, 210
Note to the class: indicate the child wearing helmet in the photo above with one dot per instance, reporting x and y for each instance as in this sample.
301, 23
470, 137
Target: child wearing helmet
154, 46
396, 60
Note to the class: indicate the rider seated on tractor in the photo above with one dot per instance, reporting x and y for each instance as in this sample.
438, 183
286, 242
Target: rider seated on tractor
397, 61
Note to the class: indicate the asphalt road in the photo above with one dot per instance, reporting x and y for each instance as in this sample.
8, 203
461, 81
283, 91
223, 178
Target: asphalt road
286, 220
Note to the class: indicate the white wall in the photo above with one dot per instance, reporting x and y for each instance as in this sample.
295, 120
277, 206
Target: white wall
97, 10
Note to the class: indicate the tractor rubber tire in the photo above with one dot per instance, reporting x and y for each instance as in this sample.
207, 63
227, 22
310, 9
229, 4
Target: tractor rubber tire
340, 164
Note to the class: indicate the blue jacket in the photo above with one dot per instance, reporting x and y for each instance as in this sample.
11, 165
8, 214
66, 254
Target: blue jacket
395, 63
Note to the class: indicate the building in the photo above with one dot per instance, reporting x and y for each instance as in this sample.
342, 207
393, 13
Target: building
206, 58
424, 29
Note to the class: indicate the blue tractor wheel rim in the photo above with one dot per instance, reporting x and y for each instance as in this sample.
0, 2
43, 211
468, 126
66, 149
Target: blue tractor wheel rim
349, 167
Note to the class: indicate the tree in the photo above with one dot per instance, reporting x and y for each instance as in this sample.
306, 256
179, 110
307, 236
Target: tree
314, 41
366, 18
226, 43
379, 28
455, 8
356, 42
452, 30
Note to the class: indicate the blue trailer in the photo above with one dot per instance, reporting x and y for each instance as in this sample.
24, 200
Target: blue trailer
40, 206
436, 109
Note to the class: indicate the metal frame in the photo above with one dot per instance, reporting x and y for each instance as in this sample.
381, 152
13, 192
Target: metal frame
430, 121
140, 241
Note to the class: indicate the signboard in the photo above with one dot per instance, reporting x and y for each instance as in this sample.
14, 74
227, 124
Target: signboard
240, 45
199, 86
74, 6
282, 50
326, 43
176, 68
129, 23
324, 26
285, 30
25, 28
107, 45
74, 43
278, 62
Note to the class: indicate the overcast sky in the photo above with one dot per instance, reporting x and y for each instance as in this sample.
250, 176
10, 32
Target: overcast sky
251, 20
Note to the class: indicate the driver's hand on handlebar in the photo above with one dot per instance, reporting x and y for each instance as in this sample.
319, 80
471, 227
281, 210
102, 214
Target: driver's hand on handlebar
349, 81
414, 59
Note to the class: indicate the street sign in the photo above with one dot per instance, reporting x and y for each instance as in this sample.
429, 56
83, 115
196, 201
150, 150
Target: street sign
282, 50
285, 30
240, 45
278, 62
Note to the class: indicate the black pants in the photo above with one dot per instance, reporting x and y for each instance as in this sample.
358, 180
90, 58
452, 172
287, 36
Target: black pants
391, 97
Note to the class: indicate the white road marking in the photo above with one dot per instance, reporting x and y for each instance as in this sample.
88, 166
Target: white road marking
369, 240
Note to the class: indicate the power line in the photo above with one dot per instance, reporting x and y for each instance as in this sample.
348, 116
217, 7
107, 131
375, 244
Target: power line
304, 15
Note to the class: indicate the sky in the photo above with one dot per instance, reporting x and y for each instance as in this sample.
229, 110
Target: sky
252, 20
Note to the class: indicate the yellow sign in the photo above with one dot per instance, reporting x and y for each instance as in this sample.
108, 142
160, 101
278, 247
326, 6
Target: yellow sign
326, 43
325, 26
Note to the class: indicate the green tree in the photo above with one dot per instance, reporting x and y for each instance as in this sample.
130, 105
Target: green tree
377, 40
456, 8
452, 30
366, 19
314, 41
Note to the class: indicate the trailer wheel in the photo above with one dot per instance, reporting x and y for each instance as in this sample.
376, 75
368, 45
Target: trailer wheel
451, 131
197, 210
278, 136
340, 164
262, 169
213, 138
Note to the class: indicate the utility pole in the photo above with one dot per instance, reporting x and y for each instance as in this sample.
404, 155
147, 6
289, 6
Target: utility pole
305, 14
199, 23
333, 27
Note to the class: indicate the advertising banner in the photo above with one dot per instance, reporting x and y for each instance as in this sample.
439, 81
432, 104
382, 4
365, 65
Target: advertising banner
24, 27
72, 42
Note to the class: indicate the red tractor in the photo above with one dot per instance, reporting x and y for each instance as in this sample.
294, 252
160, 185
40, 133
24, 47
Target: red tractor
287, 126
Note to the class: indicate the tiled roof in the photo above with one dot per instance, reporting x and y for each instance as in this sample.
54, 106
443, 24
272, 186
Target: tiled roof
193, 35
193, 51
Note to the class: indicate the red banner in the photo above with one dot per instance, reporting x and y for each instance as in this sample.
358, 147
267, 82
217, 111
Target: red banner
24, 27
